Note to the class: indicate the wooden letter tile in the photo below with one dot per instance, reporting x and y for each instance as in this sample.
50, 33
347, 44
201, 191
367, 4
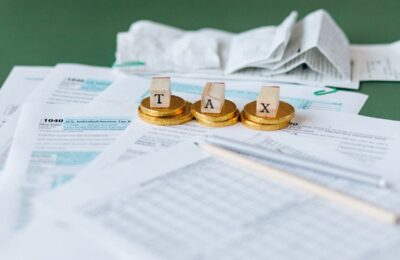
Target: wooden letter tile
160, 92
268, 101
213, 97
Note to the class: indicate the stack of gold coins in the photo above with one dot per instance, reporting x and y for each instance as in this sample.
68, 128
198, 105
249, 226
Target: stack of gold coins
282, 119
229, 115
177, 113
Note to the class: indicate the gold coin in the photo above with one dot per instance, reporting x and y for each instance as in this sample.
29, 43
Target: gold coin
265, 127
228, 122
186, 116
228, 111
285, 113
177, 106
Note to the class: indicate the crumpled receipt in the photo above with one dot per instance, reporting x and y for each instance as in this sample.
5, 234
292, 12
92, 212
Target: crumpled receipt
149, 46
152, 47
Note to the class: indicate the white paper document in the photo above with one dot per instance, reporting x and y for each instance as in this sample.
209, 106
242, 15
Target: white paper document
47, 238
65, 84
55, 233
200, 207
6, 137
20, 83
72, 84
379, 62
50, 146
373, 142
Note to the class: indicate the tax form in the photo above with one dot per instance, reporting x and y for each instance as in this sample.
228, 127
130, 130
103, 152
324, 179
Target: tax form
20, 83
72, 84
200, 207
62, 139
55, 233
65, 84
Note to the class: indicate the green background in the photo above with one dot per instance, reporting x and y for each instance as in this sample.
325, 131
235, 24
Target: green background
49, 31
